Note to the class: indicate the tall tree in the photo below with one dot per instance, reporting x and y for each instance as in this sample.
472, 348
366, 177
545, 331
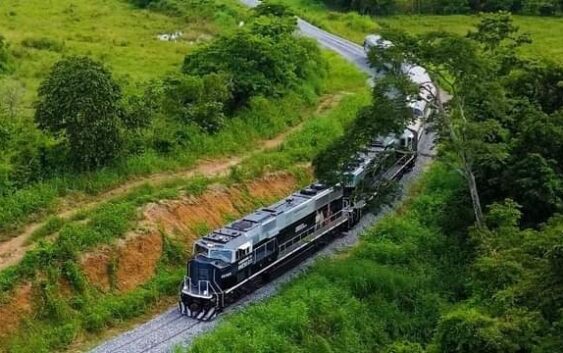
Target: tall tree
80, 101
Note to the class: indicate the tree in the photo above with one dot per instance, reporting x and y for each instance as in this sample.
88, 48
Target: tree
272, 8
477, 123
264, 59
385, 115
80, 101
198, 100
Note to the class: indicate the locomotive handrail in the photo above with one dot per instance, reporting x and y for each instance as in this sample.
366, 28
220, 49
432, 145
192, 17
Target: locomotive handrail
201, 289
289, 244
327, 227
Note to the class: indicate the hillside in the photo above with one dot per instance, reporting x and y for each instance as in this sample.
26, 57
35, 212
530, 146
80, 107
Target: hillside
62, 291
118, 151
471, 261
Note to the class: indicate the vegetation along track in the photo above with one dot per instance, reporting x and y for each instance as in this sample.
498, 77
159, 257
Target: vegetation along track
13, 250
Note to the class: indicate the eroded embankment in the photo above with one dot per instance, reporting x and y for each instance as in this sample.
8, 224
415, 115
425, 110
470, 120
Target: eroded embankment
132, 261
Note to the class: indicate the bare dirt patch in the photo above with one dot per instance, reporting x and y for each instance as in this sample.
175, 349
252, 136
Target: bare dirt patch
96, 267
18, 306
270, 187
136, 260
329, 101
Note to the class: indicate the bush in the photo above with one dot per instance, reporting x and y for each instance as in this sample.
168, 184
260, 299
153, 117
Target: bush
263, 60
80, 101
43, 44
198, 100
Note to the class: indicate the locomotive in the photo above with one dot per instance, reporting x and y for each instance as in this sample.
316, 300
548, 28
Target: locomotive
231, 261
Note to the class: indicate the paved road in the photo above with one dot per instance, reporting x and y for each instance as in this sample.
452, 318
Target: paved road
169, 329
345, 48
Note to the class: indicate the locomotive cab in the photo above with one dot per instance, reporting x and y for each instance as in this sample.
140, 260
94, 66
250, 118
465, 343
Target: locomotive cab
208, 272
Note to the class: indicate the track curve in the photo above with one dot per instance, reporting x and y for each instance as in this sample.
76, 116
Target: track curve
169, 330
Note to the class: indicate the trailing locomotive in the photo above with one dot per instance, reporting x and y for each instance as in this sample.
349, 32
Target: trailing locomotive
230, 261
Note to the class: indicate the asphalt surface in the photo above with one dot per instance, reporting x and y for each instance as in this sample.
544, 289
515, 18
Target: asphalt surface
350, 51
169, 330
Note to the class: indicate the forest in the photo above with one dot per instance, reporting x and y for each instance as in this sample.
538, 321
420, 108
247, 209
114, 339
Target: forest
448, 7
471, 262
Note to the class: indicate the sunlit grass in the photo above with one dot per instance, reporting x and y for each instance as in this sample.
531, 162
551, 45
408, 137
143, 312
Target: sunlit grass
546, 32
112, 31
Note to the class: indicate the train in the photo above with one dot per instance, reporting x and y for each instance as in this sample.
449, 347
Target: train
231, 261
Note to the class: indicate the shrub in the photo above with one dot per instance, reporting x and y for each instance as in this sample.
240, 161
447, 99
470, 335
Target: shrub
264, 60
43, 44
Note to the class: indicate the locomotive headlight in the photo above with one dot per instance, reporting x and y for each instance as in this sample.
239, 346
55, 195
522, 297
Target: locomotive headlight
185, 287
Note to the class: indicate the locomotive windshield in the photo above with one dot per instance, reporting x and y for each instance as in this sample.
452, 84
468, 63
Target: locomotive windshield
200, 250
223, 255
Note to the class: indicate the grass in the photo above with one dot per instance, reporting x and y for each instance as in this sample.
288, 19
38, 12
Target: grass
87, 313
546, 32
112, 31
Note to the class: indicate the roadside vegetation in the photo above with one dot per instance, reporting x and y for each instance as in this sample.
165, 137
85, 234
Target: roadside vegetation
471, 261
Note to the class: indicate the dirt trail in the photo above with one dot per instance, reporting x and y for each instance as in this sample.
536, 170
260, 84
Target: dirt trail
13, 250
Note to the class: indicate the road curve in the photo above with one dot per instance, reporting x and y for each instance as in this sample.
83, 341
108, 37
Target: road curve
350, 51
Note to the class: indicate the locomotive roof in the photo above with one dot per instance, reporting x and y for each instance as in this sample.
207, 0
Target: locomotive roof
233, 235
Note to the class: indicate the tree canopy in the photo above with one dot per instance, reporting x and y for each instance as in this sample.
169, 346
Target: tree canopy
264, 59
80, 102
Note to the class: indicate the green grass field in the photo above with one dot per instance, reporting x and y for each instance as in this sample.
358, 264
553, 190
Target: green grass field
546, 32
112, 31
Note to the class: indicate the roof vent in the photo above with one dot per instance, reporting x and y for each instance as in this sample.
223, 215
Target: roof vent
309, 192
